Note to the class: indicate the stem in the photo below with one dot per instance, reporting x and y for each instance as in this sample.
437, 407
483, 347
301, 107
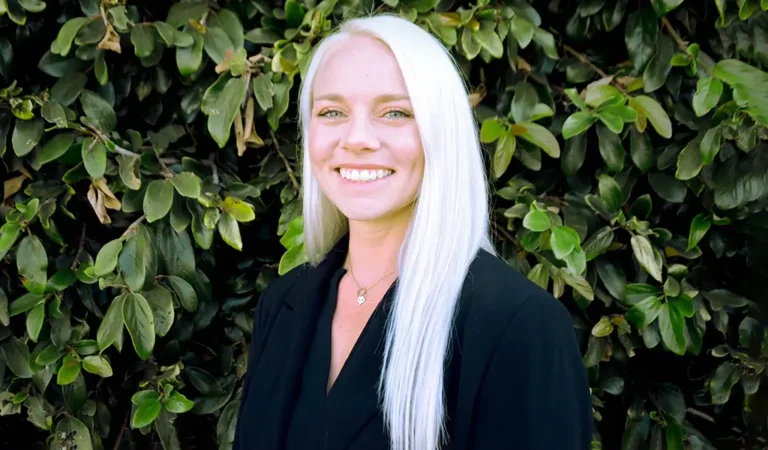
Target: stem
583, 59
122, 431
287, 164
104, 15
75, 263
132, 227
680, 42
210, 162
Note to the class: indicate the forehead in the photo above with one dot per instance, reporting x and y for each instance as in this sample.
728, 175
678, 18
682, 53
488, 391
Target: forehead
359, 66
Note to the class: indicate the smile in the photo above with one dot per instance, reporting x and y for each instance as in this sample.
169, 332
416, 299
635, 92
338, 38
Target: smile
362, 175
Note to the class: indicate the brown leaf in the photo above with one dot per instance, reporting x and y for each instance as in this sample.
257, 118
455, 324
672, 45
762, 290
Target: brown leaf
96, 199
249, 106
477, 95
523, 65
110, 41
239, 135
12, 186
109, 199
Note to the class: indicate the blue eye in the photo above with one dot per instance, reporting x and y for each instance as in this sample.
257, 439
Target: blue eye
331, 113
397, 114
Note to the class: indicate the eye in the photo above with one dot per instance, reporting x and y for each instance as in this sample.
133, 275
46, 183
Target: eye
397, 114
330, 113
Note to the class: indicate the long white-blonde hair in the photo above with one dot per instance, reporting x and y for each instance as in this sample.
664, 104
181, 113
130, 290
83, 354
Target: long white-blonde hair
449, 225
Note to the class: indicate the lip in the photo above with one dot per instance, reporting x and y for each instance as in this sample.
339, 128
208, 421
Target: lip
361, 184
363, 167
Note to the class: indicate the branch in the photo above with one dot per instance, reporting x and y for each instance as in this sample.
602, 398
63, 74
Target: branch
133, 226
285, 162
680, 42
122, 430
583, 59
76, 263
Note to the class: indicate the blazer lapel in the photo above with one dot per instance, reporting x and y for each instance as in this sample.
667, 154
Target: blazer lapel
281, 365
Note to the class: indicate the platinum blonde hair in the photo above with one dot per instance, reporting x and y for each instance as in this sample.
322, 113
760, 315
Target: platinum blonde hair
449, 225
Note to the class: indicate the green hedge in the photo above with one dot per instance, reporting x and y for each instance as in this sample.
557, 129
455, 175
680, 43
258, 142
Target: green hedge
152, 186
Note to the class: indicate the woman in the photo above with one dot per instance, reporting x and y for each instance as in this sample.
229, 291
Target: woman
404, 331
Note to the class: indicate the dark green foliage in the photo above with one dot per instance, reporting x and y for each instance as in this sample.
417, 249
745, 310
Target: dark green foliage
151, 192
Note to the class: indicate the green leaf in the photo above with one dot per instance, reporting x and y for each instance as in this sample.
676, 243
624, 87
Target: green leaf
87, 347
161, 304
35, 320
132, 261
505, 149
638, 292
539, 275
537, 220
63, 42
644, 311
282, 99
523, 102
187, 184
26, 135
262, 36
238, 209
263, 90
67, 88
98, 110
683, 304
178, 403
641, 150
491, 130
181, 13
146, 413
230, 231
577, 123
610, 193
16, 356
223, 112
522, 29
689, 160
158, 200
488, 39
603, 327
708, 91
579, 284
596, 95
129, 171
563, 241
25, 303
185, 293
231, 24
748, 83
672, 329
56, 147
611, 148
699, 227
598, 243
724, 378
662, 7
138, 319
216, 43
547, 42
70, 369
612, 276
611, 121
574, 154
106, 259
94, 155
143, 40
667, 187
96, 364
189, 58
111, 327
641, 207
5, 318
32, 263
658, 68
710, 145
76, 432
540, 137
613, 14
645, 255
641, 33
144, 397
652, 110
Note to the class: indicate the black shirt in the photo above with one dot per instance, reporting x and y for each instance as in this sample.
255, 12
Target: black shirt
514, 377
309, 412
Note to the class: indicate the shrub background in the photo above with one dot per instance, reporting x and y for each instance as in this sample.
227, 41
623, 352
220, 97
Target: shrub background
151, 192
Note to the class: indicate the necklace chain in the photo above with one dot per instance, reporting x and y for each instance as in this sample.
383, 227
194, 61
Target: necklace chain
362, 292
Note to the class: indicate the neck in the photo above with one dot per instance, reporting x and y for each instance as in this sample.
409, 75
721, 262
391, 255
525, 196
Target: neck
374, 248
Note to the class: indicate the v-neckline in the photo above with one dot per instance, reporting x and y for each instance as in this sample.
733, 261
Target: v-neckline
328, 333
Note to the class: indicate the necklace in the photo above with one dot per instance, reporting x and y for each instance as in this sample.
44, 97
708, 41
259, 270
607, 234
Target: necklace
362, 292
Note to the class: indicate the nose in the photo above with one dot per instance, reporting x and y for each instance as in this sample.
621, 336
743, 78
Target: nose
360, 135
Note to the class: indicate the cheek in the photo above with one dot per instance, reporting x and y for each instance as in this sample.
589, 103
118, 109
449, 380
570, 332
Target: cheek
320, 144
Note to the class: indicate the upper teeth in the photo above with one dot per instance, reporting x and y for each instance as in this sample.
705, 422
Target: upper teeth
364, 175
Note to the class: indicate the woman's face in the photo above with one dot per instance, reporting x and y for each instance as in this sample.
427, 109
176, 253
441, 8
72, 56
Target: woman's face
364, 144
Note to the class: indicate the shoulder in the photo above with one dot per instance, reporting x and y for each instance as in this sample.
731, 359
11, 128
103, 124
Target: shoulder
497, 296
272, 297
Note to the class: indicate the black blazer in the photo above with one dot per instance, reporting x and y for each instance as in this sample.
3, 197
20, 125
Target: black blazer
515, 377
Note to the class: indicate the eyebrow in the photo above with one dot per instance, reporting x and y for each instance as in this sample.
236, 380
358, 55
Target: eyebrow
380, 99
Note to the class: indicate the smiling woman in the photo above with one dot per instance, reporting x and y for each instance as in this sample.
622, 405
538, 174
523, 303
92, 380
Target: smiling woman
404, 331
